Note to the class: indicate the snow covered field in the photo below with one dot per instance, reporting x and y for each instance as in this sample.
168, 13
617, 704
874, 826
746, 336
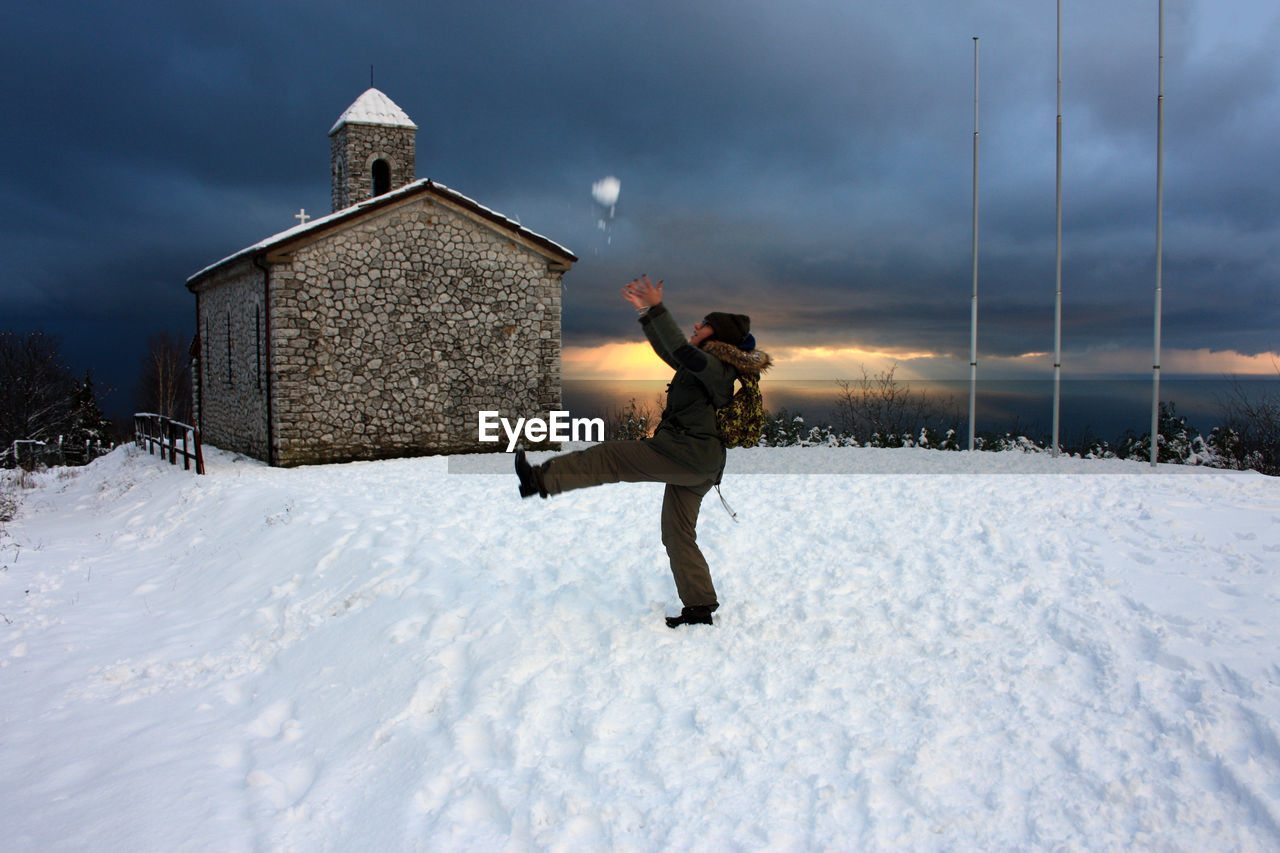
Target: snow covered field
915, 650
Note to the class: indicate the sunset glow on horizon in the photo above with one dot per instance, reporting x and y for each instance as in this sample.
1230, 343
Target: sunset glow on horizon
636, 360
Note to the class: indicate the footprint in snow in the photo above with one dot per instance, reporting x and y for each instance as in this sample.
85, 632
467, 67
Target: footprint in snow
276, 721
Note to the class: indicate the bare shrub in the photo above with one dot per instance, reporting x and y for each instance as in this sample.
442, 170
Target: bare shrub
35, 388
164, 378
632, 421
883, 412
8, 503
1249, 437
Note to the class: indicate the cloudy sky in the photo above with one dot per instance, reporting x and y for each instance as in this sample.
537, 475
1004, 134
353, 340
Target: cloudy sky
808, 163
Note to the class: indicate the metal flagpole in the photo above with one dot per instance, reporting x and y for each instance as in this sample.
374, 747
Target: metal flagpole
973, 314
1057, 305
1155, 375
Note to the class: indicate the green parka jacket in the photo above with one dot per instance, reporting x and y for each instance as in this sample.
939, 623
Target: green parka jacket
687, 434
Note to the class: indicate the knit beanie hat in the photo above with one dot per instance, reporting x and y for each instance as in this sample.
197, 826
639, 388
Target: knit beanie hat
730, 328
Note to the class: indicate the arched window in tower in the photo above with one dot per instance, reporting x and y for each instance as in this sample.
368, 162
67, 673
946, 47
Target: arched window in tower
381, 177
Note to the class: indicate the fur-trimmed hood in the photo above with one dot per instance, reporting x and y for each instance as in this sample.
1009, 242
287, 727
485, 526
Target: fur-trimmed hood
755, 361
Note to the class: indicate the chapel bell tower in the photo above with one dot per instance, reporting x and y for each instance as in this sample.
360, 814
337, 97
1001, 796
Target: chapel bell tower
371, 150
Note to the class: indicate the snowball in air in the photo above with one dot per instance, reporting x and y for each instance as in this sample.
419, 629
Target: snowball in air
606, 190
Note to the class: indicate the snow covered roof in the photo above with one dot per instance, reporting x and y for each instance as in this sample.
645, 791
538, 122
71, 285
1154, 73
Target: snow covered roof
426, 185
373, 107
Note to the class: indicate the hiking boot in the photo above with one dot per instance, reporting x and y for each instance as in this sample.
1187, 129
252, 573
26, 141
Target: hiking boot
530, 482
699, 614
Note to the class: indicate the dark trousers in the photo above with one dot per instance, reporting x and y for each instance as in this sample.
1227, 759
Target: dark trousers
636, 462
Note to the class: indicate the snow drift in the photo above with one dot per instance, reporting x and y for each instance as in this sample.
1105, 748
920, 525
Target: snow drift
916, 650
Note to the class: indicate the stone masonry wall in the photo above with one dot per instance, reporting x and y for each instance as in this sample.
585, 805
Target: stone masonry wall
390, 336
232, 367
353, 150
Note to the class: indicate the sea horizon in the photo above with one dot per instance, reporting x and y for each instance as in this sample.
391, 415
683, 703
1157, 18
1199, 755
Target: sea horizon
1095, 408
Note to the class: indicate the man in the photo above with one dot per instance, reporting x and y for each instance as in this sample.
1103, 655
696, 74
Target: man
685, 451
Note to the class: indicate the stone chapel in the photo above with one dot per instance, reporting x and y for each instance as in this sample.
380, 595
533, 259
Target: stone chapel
384, 328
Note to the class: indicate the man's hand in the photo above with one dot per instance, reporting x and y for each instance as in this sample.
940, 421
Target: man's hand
643, 293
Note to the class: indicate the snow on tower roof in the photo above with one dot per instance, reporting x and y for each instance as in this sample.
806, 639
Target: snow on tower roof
373, 107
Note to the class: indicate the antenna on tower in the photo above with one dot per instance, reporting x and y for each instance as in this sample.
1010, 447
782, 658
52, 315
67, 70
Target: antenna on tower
370, 76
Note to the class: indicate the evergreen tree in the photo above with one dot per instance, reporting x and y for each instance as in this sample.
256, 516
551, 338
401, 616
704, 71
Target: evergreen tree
1178, 441
89, 432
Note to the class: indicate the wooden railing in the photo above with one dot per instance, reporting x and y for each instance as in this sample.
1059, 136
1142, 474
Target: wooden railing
172, 438
30, 448
29, 453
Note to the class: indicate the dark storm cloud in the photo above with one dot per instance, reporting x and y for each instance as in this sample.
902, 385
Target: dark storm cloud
808, 162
